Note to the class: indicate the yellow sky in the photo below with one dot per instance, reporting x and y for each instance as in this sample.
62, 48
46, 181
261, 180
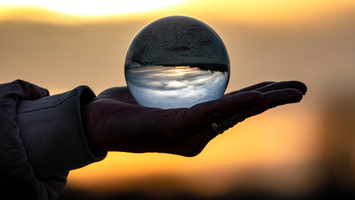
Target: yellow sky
256, 11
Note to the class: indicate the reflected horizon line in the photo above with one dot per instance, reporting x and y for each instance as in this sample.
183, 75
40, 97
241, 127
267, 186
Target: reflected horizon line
213, 68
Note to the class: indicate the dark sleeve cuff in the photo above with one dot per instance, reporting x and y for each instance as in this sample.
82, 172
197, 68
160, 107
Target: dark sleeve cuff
53, 135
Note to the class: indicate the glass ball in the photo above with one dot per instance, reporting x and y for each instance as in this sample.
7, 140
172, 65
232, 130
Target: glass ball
176, 62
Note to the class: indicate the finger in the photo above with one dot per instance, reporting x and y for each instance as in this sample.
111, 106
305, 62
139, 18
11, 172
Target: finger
272, 99
196, 142
31, 91
203, 113
250, 88
196, 120
283, 85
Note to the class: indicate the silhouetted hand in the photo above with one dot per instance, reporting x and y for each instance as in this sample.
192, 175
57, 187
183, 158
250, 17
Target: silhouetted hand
115, 122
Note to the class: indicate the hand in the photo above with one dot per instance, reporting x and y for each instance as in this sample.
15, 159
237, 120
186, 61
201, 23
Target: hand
115, 122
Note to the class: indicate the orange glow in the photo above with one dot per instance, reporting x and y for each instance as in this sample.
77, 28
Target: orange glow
94, 8
253, 11
270, 140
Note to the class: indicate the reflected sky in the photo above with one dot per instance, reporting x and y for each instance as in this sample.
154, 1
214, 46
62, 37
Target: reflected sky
175, 86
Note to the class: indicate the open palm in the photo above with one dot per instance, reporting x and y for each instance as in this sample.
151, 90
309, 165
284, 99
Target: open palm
115, 122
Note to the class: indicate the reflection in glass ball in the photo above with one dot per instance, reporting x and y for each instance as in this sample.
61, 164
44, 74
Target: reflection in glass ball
176, 62
175, 86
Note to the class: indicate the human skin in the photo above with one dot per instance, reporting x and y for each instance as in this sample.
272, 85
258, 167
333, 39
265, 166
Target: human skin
115, 122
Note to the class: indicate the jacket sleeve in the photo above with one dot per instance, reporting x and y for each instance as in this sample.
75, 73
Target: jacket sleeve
53, 135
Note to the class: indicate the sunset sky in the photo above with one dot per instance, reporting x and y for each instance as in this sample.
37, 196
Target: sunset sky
252, 11
64, 44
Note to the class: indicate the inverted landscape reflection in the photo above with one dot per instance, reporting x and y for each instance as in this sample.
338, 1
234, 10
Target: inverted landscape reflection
176, 86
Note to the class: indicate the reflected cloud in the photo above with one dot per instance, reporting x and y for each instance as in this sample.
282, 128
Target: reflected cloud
175, 86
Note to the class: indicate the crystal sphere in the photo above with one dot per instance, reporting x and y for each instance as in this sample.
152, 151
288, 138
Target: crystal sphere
176, 62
